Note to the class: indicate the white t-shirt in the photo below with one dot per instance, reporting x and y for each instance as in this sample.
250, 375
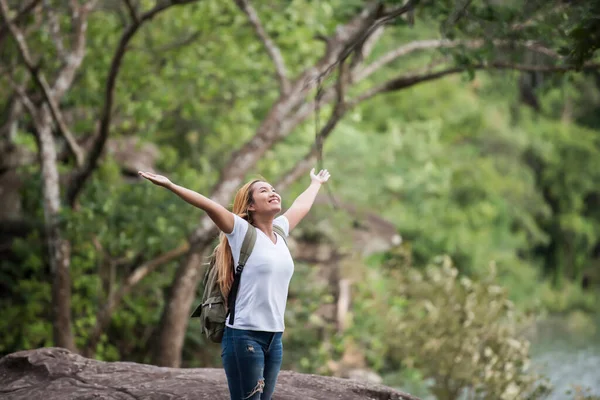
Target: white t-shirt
263, 290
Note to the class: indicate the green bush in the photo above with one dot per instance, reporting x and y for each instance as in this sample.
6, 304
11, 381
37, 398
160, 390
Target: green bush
459, 333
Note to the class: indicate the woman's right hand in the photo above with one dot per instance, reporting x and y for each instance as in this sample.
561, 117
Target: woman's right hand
222, 217
156, 179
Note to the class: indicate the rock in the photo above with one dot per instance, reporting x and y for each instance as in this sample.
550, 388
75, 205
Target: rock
55, 373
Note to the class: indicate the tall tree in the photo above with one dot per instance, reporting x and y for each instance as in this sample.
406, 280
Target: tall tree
365, 53
476, 37
43, 115
42, 101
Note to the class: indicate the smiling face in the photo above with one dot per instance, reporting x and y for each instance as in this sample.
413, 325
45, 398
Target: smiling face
265, 200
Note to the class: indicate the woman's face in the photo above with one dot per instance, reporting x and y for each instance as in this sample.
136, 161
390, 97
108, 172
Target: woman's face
265, 199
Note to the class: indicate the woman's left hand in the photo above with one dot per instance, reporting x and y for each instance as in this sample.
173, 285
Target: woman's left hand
321, 177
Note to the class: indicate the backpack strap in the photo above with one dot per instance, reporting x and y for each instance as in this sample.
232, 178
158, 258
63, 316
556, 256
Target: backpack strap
247, 247
281, 233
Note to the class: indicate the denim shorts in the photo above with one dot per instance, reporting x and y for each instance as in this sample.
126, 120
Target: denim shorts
252, 360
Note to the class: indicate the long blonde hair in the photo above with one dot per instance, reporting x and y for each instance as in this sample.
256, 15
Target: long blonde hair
223, 257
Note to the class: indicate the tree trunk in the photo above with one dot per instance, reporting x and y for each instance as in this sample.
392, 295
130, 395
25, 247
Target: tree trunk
61, 296
287, 112
174, 320
343, 304
58, 247
283, 117
175, 317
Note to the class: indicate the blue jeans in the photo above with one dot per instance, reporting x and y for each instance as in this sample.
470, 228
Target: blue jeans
252, 360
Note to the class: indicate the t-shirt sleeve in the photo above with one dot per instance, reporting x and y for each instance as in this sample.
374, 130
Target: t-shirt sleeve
283, 223
236, 237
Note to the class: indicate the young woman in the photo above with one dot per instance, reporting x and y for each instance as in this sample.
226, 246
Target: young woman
251, 349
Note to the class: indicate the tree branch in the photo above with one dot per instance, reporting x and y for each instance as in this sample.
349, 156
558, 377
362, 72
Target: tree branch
132, 11
271, 47
55, 33
538, 16
179, 43
341, 44
338, 111
405, 81
380, 18
444, 43
105, 313
275, 126
402, 82
305, 110
20, 15
43, 84
16, 34
406, 49
25, 100
75, 57
81, 176
11, 113
271, 130
398, 11
300, 169
315, 153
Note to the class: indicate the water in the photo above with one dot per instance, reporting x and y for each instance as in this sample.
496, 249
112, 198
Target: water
567, 351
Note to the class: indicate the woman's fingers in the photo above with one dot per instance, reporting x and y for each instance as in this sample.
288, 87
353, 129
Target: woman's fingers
150, 176
322, 176
147, 175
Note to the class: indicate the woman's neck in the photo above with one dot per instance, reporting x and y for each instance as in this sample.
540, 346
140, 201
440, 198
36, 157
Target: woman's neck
264, 223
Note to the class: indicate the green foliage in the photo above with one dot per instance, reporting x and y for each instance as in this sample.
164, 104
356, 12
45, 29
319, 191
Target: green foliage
457, 165
584, 35
442, 180
458, 332
116, 231
26, 285
306, 339
570, 297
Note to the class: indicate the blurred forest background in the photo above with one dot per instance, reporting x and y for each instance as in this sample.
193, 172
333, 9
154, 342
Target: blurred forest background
455, 252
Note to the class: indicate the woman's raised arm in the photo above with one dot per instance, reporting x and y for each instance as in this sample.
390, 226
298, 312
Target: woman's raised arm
221, 216
303, 203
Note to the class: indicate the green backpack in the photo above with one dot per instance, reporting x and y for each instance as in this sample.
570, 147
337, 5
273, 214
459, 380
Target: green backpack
213, 311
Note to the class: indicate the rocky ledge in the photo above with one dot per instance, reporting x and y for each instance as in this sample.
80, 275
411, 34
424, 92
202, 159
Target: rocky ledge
54, 373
